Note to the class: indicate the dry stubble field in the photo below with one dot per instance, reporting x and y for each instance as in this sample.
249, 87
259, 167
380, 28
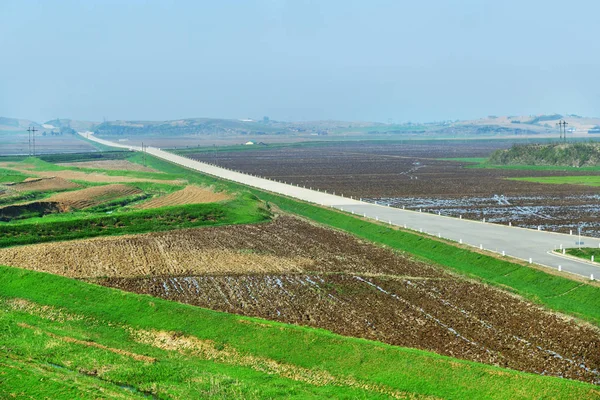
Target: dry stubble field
293, 271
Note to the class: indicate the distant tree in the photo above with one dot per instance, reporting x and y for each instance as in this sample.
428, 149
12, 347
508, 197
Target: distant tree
266, 119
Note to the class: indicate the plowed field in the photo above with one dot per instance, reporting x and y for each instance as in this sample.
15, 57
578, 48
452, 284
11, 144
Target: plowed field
120, 165
93, 196
406, 174
286, 245
44, 184
293, 271
189, 195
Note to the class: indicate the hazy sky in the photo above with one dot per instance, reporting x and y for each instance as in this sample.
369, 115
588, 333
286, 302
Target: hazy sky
298, 60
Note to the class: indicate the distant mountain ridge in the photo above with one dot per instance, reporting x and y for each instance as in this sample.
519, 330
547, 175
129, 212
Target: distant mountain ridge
18, 125
491, 125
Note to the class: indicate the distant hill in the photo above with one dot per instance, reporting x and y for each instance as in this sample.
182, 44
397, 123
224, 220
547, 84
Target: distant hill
545, 123
488, 126
556, 154
79, 126
221, 127
16, 124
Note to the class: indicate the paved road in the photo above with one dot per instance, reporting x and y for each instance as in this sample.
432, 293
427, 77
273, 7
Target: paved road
516, 242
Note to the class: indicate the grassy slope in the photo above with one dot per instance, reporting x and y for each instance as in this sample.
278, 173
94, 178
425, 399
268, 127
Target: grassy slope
95, 222
8, 175
242, 357
55, 228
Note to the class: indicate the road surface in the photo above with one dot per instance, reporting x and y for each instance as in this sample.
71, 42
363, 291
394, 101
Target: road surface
526, 244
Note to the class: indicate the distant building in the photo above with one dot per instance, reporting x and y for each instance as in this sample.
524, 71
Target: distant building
249, 143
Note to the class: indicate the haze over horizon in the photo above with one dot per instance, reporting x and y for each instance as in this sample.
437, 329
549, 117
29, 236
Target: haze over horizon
294, 61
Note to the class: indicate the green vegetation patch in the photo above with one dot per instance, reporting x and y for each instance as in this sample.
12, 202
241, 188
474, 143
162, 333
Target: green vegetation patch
554, 154
8, 176
77, 157
559, 180
585, 253
14, 198
245, 209
478, 160
63, 336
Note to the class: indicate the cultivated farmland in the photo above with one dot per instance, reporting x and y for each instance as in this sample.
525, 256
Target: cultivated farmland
111, 165
293, 271
52, 184
189, 195
92, 196
412, 174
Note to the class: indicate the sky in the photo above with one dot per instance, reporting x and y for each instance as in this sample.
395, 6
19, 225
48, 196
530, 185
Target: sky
387, 61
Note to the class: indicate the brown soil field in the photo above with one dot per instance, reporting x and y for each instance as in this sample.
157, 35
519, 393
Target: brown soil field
188, 195
265, 248
293, 271
95, 177
92, 196
408, 174
44, 184
120, 165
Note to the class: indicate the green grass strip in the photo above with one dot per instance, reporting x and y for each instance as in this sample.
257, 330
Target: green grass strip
103, 316
8, 175
585, 252
483, 163
561, 180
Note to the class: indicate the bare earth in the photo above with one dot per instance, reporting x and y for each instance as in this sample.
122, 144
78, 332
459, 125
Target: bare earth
120, 165
293, 271
44, 184
94, 195
189, 195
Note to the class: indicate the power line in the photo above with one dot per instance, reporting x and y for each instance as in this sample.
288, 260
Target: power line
562, 128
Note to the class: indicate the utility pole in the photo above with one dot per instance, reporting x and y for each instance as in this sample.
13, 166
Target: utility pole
32, 132
29, 145
143, 154
562, 128
559, 124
